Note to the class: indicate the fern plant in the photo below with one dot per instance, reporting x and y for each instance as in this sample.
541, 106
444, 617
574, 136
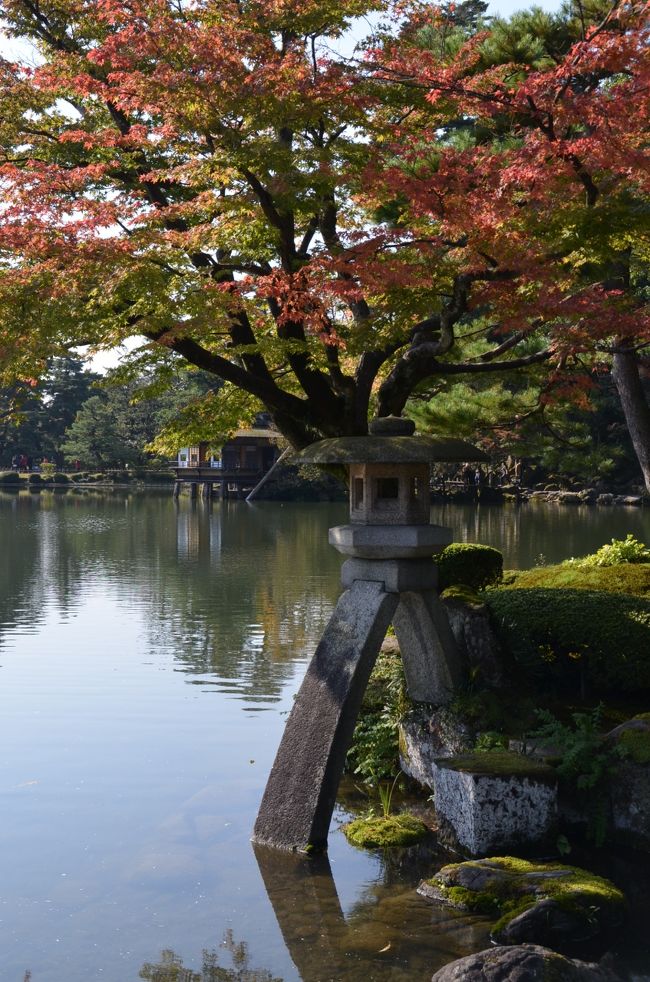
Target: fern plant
585, 762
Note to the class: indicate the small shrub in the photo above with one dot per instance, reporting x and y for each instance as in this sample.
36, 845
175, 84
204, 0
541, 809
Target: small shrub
10, 477
35, 479
59, 478
489, 741
474, 566
627, 550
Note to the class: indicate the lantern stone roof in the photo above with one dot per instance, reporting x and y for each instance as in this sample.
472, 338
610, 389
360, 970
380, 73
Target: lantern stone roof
391, 441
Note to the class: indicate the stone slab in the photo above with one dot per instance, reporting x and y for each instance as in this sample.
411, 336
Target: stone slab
487, 804
301, 791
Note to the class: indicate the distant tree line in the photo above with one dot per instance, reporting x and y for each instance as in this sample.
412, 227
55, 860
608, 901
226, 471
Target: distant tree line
74, 416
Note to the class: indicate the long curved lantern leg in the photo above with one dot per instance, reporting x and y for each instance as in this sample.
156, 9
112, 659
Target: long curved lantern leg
301, 791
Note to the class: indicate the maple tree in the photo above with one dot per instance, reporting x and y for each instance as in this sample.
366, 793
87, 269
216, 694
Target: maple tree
307, 227
529, 150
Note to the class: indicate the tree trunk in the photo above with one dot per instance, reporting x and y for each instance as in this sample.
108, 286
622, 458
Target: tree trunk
625, 372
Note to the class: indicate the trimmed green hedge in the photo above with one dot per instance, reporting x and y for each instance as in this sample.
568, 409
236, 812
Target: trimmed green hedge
475, 566
581, 638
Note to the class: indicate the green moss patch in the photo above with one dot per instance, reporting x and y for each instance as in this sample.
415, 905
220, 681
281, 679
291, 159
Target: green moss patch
385, 831
635, 745
463, 594
498, 763
631, 578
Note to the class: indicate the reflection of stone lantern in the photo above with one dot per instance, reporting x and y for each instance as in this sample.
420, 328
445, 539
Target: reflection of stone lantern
390, 577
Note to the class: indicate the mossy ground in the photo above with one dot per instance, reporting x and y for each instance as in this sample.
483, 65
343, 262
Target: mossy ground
525, 884
385, 831
633, 578
499, 764
465, 594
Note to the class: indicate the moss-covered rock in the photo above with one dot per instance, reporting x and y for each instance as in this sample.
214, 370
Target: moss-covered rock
385, 831
541, 903
635, 745
477, 645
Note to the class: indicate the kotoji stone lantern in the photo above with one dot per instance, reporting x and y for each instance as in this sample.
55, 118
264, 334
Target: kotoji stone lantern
390, 577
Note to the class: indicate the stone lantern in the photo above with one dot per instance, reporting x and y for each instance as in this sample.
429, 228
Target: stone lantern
390, 576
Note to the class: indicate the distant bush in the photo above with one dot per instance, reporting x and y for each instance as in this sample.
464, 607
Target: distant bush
35, 479
617, 552
475, 566
576, 639
59, 478
9, 477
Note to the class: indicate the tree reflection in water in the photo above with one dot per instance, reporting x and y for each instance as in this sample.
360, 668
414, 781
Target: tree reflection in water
170, 967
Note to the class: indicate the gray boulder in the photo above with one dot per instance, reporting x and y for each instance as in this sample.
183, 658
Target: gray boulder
475, 639
425, 735
629, 784
522, 963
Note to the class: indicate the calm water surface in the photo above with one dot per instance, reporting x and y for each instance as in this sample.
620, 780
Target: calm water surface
149, 654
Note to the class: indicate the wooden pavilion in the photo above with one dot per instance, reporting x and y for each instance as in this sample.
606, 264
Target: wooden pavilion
231, 472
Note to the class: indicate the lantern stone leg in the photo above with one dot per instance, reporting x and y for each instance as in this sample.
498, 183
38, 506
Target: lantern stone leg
299, 799
431, 663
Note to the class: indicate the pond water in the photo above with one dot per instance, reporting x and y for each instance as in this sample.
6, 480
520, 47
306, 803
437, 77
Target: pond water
149, 654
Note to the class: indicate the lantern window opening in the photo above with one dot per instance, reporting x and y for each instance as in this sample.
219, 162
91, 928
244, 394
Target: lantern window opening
357, 492
386, 489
